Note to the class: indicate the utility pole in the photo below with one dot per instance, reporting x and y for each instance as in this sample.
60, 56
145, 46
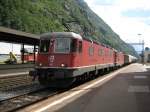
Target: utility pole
142, 54
143, 51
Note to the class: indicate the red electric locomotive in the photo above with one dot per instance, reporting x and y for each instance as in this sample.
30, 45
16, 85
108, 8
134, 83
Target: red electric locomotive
65, 57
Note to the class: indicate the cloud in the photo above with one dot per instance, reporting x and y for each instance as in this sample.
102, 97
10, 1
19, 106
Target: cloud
146, 21
104, 2
133, 4
126, 17
136, 13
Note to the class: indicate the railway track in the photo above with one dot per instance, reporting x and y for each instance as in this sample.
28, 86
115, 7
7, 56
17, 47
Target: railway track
4, 95
12, 86
12, 82
18, 102
19, 91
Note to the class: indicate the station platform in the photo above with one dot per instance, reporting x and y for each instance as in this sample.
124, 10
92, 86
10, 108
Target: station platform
124, 90
129, 91
15, 66
12, 70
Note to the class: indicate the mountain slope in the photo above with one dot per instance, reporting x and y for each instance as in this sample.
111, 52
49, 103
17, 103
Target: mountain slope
39, 16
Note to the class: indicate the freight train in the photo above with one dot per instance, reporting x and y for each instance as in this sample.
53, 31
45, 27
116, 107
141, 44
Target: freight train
65, 57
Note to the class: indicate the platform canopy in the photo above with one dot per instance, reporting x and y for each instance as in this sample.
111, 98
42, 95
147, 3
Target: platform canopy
15, 36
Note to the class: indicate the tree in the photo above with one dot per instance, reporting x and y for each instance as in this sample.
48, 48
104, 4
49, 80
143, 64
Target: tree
147, 48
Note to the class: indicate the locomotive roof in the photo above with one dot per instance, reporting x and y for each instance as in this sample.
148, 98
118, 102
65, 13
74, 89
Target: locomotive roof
61, 34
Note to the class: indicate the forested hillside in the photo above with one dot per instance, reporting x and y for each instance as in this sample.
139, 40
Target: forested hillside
39, 16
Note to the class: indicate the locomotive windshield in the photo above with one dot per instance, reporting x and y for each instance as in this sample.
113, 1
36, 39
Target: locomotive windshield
62, 45
44, 46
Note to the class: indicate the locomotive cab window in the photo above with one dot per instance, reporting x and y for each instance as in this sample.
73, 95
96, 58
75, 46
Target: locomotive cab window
44, 46
62, 45
74, 45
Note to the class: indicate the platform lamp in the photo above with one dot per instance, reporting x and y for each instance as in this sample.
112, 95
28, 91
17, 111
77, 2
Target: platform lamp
142, 43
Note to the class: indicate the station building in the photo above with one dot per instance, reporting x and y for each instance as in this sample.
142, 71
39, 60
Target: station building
147, 56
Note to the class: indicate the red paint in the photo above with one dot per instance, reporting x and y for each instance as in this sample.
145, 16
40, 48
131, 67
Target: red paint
77, 59
29, 57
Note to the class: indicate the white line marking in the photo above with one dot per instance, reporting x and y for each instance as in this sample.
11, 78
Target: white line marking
14, 74
77, 92
107, 64
144, 69
140, 77
146, 66
139, 88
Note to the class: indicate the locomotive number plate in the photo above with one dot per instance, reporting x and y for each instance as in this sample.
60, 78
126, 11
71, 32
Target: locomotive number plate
51, 58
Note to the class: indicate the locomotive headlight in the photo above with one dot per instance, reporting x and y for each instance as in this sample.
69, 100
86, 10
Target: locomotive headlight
62, 65
40, 64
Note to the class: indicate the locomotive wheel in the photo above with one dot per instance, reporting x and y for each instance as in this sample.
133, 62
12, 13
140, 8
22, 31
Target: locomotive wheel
42, 80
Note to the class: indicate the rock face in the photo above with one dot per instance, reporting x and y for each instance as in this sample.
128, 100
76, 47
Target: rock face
40, 16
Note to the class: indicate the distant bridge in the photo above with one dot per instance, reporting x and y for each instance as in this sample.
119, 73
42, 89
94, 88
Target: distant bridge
141, 53
142, 43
